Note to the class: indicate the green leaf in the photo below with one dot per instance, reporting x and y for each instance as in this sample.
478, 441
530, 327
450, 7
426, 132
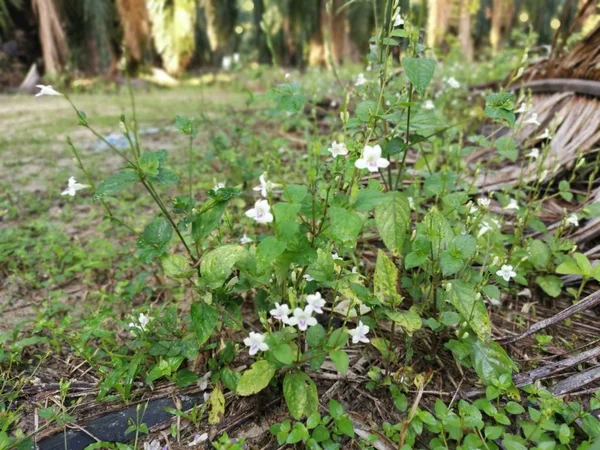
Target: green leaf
392, 218
419, 71
500, 106
323, 268
569, 267
176, 266
345, 226
153, 241
315, 336
383, 346
584, 264
410, 321
295, 193
300, 393
344, 425
507, 147
490, 361
283, 353
149, 163
340, 360
469, 304
268, 251
550, 284
217, 265
365, 110
335, 409
115, 184
256, 378
450, 263
216, 404
206, 222
204, 319
539, 254
386, 280
367, 199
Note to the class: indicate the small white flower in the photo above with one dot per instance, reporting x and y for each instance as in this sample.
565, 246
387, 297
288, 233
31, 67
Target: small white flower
338, 149
360, 80
533, 120
226, 63
359, 334
256, 342
281, 312
534, 153
371, 159
218, 186
302, 318
485, 227
46, 90
245, 240
287, 75
428, 105
307, 277
73, 187
261, 212
572, 219
512, 204
154, 445
484, 202
336, 256
265, 186
143, 321
545, 135
315, 302
453, 83
398, 20
522, 108
355, 269
236, 58
411, 203
198, 439
506, 272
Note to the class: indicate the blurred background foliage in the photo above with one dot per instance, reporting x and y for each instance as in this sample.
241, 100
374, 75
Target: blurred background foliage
95, 37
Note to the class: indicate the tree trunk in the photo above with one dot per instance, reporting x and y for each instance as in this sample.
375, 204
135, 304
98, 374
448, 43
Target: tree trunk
260, 40
316, 54
502, 11
55, 49
136, 30
464, 30
335, 32
438, 17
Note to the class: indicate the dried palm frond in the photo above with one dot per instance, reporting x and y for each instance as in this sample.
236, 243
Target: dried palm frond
136, 27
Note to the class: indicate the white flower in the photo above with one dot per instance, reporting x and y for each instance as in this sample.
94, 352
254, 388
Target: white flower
545, 135
371, 159
245, 240
218, 186
522, 108
534, 153
315, 302
355, 269
46, 90
281, 312
398, 20
411, 203
338, 149
261, 212
533, 120
572, 219
154, 445
506, 272
336, 256
359, 334
265, 186
236, 58
453, 83
303, 318
512, 204
73, 187
143, 321
307, 277
485, 227
256, 342
360, 80
287, 75
226, 63
428, 105
483, 202
198, 439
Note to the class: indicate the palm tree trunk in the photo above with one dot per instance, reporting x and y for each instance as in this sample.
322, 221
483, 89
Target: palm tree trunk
438, 17
55, 49
501, 18
136, 30
464, 29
